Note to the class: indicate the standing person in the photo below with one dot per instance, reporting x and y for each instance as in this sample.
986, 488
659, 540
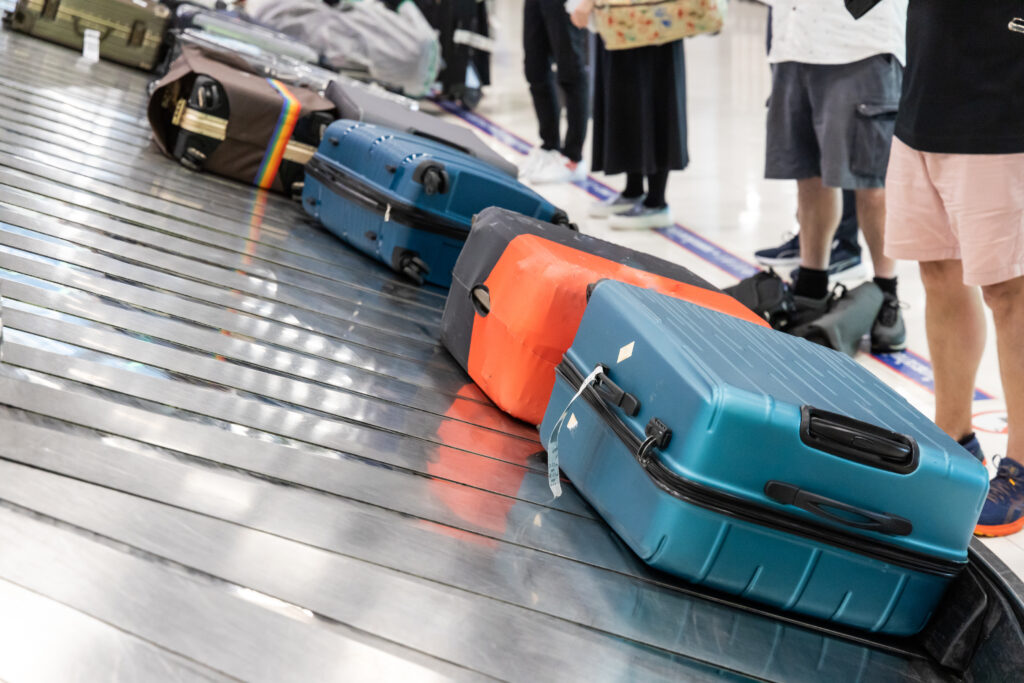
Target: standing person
956, 205
549, 36
835, 87
639, 126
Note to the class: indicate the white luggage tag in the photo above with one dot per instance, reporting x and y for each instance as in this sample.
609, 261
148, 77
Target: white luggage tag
91, 45
554, 482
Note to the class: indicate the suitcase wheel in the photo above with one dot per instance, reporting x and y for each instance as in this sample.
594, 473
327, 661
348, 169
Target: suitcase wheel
562, 218
193, 159
413, 267
433, 177
296, 190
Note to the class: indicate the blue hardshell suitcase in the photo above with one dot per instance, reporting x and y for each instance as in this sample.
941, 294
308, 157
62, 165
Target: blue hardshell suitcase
407, 200
761, 464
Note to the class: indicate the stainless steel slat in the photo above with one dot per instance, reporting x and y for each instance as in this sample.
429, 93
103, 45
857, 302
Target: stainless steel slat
232, 322
353, 334
490, 466
292, 394
343, 265
336, 297
518, 575
34, 628
83, 309
437, 498
380, 601
366, 309
308, 243
223, 626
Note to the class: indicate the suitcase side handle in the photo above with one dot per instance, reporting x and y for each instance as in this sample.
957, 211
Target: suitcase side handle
844, 513
858, 441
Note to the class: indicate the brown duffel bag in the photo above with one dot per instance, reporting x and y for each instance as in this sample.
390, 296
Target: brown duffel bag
212, 113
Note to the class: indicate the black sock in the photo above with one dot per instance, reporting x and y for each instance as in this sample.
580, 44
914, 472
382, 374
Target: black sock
634, 185
886, 284
964, 440
811, 283
656, 190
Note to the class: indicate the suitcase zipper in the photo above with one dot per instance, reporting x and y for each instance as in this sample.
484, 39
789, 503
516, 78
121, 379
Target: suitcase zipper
645, 452
357, 190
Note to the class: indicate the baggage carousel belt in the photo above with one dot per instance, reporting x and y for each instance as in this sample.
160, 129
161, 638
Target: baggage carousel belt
234, 449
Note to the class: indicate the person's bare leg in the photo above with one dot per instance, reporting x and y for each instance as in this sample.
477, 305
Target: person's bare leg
871, 217
955, 324
1006, 300
818, 210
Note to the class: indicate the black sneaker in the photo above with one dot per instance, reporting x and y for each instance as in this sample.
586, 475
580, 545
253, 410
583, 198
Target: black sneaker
786, 254
844, 263
808, 310
889, 334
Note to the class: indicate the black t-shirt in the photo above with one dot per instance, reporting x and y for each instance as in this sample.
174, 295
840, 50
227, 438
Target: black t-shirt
963, 88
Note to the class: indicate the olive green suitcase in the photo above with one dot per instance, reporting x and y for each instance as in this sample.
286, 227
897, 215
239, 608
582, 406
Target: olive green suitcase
131, 31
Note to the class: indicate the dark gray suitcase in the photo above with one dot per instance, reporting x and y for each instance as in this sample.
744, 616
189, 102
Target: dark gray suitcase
357, 103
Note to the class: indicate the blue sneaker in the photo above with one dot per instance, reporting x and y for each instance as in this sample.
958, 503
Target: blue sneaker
1003, 513
973, 446
786, 254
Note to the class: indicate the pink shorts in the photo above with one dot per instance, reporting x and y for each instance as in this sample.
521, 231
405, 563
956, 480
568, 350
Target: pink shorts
967, 207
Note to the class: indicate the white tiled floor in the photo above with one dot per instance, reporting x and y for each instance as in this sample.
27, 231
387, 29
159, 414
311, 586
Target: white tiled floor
722, 195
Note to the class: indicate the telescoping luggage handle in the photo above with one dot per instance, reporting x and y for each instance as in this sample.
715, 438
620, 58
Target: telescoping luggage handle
858, 441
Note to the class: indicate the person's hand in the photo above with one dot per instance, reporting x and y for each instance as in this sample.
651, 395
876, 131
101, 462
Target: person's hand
580, 17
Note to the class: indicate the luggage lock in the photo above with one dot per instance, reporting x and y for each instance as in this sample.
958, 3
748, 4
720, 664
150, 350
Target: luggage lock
658, 436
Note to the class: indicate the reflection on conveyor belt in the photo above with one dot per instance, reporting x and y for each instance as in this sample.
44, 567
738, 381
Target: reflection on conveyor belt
234, 449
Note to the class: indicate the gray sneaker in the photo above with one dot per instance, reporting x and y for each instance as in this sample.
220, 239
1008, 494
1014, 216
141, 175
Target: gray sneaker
641, 217
889, 334
617, 204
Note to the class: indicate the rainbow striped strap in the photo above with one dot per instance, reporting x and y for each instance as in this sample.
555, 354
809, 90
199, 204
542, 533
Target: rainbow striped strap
290, 109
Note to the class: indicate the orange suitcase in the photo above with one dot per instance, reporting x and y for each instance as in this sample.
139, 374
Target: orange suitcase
518, 293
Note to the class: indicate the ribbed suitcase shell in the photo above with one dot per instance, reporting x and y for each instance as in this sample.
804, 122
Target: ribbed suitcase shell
371, 186
733, 395
131, 31
534, 276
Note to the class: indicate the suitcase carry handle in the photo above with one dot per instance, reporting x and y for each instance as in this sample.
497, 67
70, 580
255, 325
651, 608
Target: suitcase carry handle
481, 298
882, 522
859, 441
437, 138
614, 394
104, 31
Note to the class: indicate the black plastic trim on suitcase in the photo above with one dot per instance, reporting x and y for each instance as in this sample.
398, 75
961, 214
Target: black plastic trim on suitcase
364, 194
858, 441
751, 511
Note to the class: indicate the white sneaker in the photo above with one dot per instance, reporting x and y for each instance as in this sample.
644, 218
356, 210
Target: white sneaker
533, 160
557, 168
641, 217
617, 204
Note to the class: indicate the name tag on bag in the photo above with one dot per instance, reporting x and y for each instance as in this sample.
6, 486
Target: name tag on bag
91, 45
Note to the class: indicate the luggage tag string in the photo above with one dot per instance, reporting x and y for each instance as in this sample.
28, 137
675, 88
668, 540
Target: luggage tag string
554, 481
